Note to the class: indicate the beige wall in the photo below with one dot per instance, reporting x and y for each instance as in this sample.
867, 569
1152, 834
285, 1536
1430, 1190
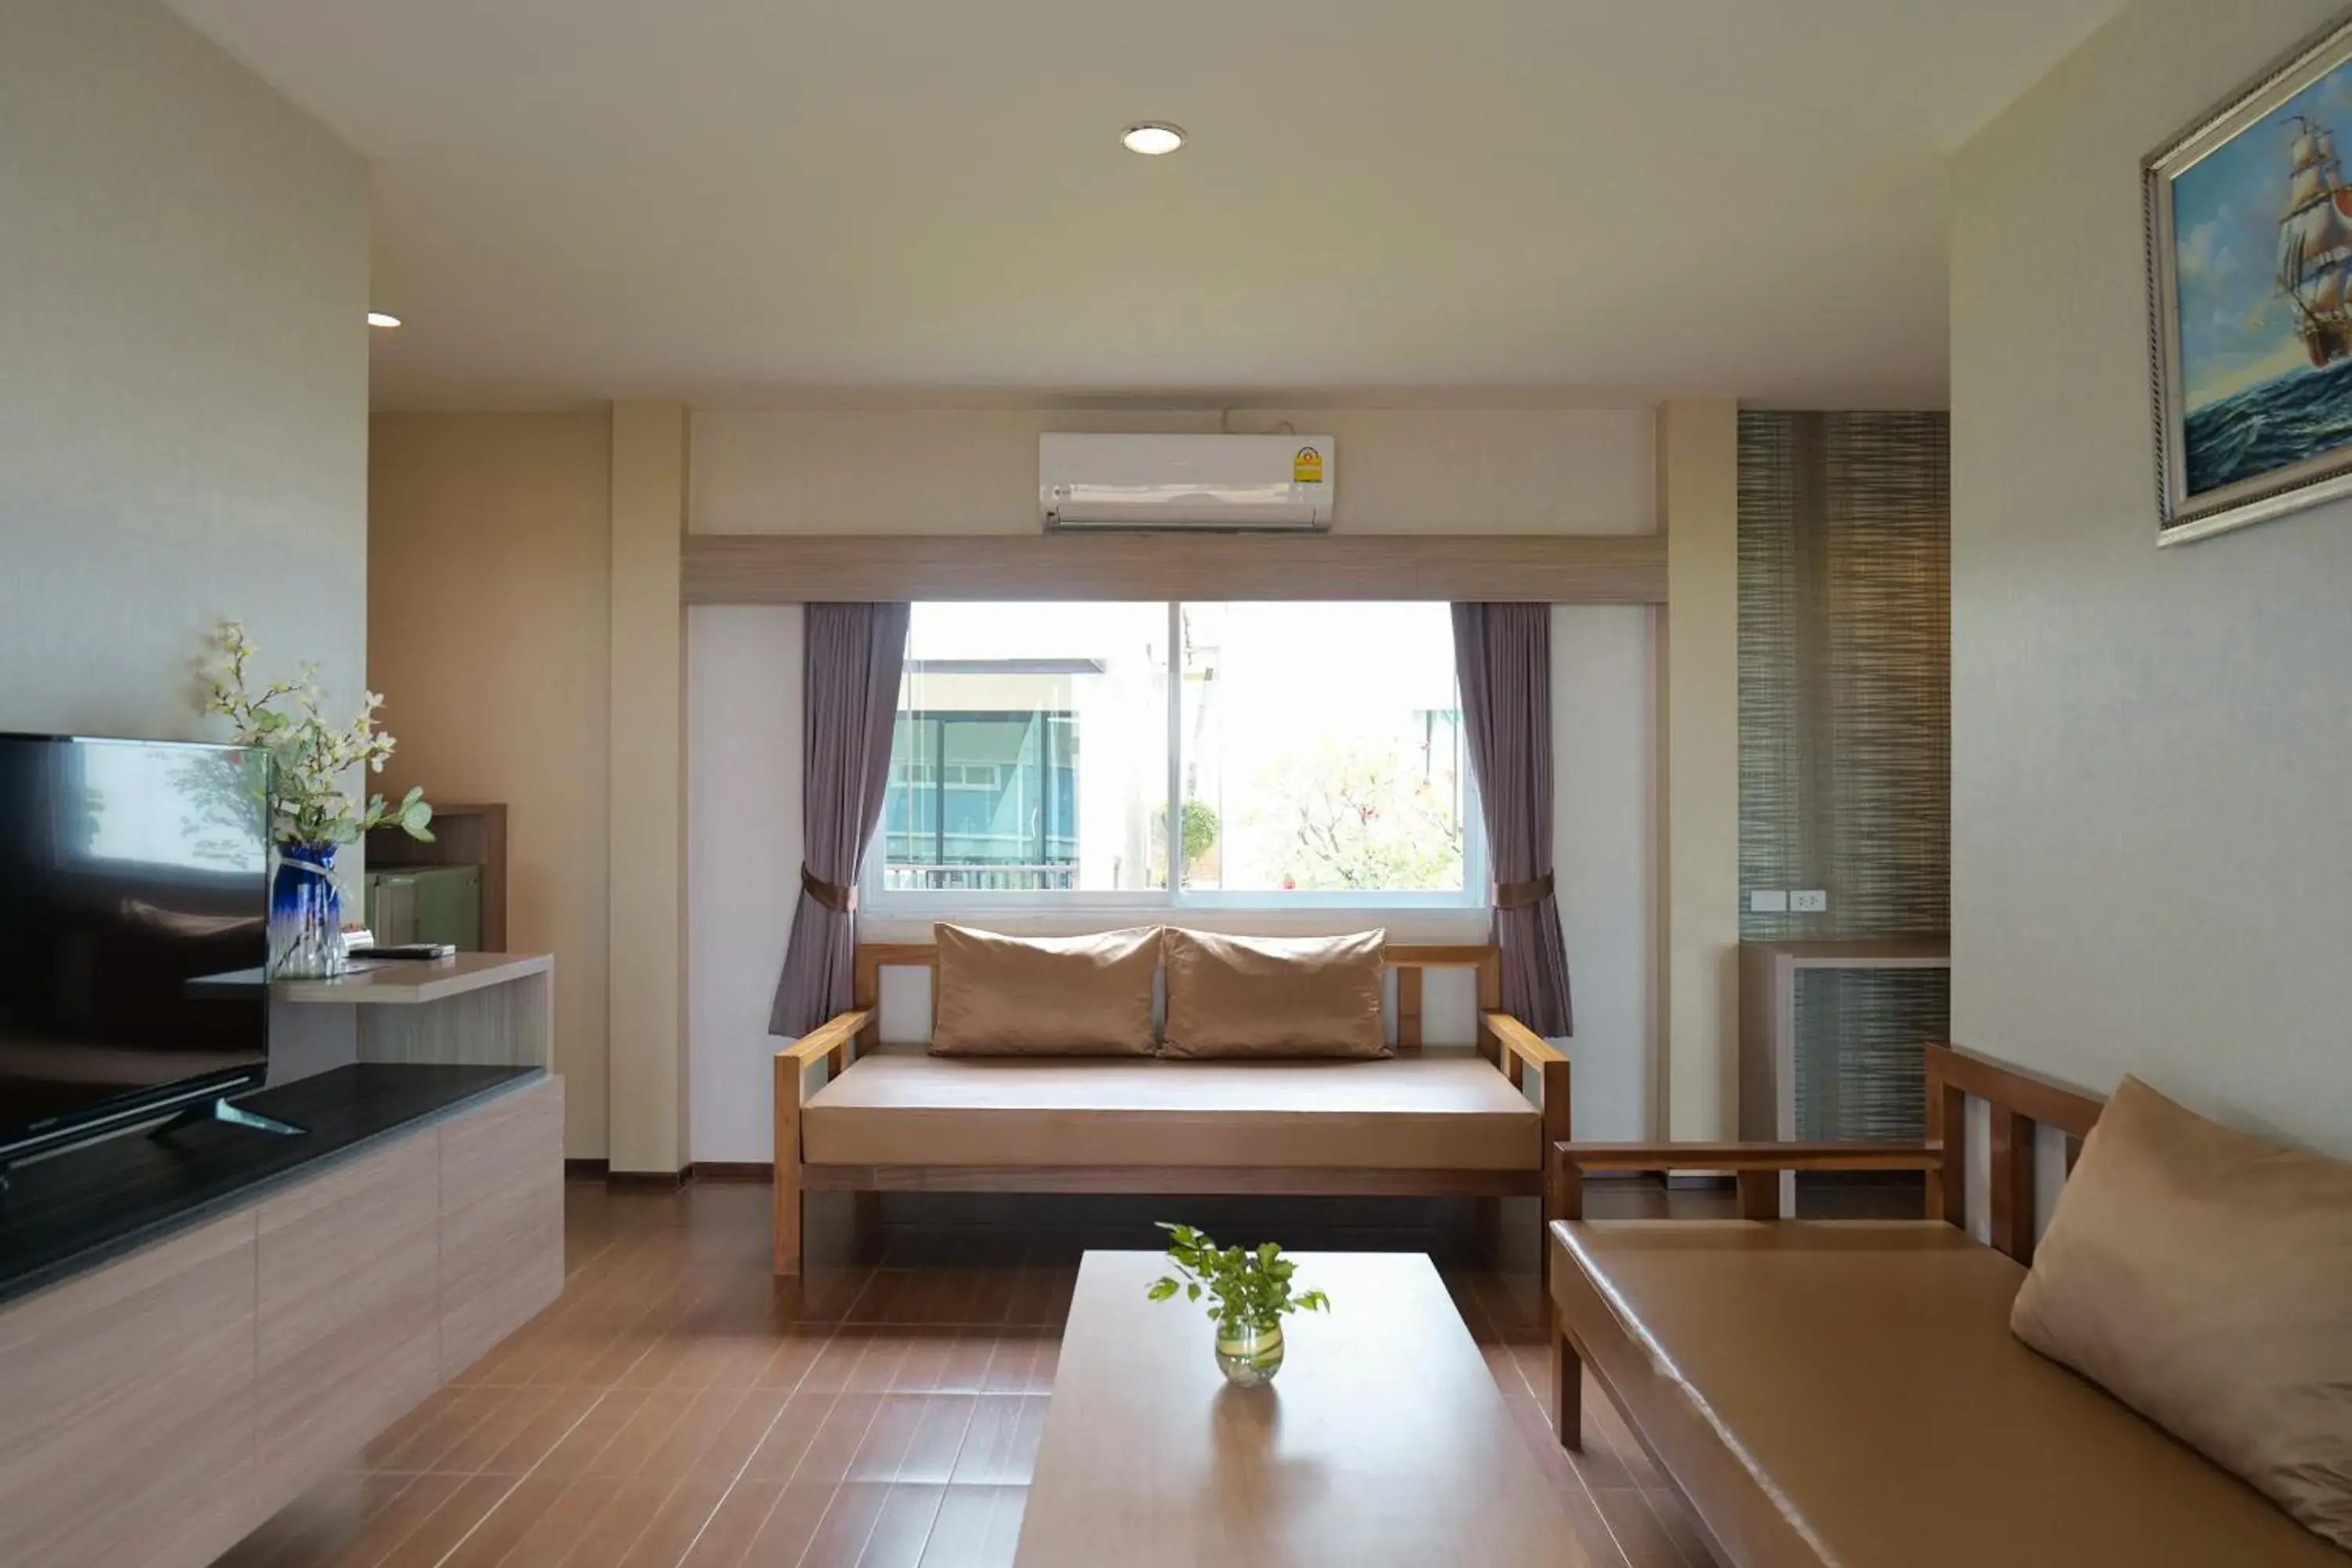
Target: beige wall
1400, 471
2151, 750
183, 258
489, 593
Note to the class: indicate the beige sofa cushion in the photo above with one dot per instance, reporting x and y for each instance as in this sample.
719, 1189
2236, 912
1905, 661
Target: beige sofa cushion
1274, 996
1849, 1392
1404, 1113
1044, 996
2203, 1276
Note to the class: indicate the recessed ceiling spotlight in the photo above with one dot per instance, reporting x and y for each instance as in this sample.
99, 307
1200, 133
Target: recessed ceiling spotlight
1152, 138
382, 318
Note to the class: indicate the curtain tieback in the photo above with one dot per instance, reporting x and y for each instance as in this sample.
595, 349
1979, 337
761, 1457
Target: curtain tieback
839, 897
1520, 895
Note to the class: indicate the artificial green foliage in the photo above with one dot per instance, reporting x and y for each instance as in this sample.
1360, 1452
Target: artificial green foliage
308, 757
1248, 1288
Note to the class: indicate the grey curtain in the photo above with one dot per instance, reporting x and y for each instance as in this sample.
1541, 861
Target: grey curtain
1503, 654
855, 656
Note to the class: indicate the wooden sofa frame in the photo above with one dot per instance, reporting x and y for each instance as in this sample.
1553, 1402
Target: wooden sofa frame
2018, 1102
1518, 1051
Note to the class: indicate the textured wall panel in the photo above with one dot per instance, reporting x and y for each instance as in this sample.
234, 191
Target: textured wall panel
1846, 733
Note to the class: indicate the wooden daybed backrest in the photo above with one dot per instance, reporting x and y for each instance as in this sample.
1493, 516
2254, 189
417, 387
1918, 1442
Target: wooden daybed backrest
2019, 1101
1408, 959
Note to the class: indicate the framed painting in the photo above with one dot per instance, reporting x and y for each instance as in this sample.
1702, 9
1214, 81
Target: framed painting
2250, 274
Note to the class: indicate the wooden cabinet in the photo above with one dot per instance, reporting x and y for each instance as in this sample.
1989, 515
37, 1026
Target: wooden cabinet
501, 1221
126, 1407
348, 1337
156, 1408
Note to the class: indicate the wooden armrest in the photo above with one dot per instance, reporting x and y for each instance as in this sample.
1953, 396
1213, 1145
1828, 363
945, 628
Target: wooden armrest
827, 1037
1757, 1165
1521, 1041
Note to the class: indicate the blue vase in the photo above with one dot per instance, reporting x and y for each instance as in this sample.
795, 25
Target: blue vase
306, 914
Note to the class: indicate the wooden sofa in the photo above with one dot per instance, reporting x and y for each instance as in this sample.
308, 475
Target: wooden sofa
898, 1119
1849, 1392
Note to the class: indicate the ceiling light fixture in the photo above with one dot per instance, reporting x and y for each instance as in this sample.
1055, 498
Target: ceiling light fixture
1152, 138
382, 318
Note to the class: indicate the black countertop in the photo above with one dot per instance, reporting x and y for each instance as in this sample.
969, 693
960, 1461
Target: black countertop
72, 1211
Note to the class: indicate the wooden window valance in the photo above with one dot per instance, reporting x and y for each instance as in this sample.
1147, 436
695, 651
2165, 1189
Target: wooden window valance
1541, 568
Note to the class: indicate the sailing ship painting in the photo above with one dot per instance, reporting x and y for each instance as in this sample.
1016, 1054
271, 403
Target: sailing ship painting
2315, 243
2255, 295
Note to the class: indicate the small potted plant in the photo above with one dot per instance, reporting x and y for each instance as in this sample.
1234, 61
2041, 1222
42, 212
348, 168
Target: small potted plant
1251, 1291
310, 815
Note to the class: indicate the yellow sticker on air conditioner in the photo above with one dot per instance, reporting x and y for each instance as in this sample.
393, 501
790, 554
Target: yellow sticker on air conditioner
1307, 468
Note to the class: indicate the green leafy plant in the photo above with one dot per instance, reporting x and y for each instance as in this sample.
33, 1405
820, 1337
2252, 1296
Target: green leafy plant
308, 756
1200, 828
1249, 1288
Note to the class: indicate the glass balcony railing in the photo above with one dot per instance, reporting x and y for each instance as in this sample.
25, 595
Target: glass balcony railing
991, 876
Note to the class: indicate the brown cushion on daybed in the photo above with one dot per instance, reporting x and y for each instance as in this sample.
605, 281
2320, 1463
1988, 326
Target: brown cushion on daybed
1849, 1392
1044, 996
1404, 1113
2203, 1276
1274, 996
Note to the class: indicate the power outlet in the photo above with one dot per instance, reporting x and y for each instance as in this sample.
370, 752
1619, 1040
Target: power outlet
1811, 901
1767, 902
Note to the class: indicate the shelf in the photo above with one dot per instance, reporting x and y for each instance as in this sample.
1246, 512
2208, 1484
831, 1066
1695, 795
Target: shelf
1860, 952
394, 982
405, 981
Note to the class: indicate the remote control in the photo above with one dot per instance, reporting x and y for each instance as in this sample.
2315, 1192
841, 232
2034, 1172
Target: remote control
408, 950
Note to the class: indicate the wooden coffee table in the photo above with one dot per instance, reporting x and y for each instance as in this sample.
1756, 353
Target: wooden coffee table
1383, 1440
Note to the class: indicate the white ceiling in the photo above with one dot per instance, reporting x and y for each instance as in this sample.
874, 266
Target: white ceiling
775, 200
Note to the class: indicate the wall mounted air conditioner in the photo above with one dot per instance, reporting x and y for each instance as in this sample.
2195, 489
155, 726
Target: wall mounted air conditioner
1241, 482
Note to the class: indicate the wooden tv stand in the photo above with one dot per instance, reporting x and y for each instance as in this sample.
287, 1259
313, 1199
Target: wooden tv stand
194, 1325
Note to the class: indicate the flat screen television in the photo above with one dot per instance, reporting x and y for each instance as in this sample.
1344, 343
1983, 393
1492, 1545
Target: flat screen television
134, 932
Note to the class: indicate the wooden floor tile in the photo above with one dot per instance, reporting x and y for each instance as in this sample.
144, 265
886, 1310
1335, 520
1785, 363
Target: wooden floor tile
784, 1535
439, 1533
1000, 1445
848, 1524
976, 1527
494, 1537
424, 1498
658, 1536
903, 1527
1638, 1533
726, 1536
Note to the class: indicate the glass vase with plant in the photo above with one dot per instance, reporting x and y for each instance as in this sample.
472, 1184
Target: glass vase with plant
311, 813
1250, 1293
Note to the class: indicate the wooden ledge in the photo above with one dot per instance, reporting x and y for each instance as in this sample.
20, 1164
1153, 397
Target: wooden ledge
407, 982
803, 568
1757, 1167
1855, 1156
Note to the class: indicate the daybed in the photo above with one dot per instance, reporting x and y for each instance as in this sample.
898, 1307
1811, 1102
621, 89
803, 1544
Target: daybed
897, 1119
1851, 1393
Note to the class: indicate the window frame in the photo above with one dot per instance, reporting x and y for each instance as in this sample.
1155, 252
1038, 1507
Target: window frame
1474, 896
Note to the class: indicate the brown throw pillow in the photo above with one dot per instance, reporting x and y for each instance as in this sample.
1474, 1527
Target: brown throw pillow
2204, 1277
1044, 996
1274, 996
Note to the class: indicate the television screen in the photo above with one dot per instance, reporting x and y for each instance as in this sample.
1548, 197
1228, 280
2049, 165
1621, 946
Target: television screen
133, 929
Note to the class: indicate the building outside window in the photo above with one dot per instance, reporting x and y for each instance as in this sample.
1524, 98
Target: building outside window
1308, 753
